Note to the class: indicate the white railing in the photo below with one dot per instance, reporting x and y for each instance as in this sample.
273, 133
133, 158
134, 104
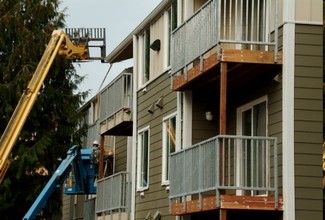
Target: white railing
92, 134
245, 24
116, 96
243, 165
89, 209
113, 194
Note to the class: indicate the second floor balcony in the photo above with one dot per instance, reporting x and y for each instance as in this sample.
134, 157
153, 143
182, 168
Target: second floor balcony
116, 106
238, 32
226, 172
113, 196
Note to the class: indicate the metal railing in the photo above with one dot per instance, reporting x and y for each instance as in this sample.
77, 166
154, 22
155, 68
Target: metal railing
116, 96
243, 165
93, 133
89, 209
113, 194
247, 23
92, 37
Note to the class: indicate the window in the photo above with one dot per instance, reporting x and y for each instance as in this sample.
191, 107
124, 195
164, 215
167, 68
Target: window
93, 112
146, 57
252, 119
172, 25
169, 145
143, 159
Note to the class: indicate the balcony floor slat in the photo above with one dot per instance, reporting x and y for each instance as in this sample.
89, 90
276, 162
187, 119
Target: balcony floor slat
212, 60
227, 202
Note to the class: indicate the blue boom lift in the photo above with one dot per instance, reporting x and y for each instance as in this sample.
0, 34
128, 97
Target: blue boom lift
83, 166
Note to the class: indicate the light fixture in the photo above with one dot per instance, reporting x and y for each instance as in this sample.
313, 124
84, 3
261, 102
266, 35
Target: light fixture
157, 215
159, 103
150, 109
155, 45
278, 78
209, 116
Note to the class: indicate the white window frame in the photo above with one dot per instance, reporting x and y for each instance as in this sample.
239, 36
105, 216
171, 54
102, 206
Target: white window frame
167, 32
142, 57
140, 187
165, 153
248, 106
240, 110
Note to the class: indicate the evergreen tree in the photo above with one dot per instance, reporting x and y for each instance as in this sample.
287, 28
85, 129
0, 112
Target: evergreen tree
25, 29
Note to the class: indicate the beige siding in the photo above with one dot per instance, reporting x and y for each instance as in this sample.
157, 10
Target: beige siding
157, 57
120, 153
156, 197
309, 10
308, 121
66, 199
203, 101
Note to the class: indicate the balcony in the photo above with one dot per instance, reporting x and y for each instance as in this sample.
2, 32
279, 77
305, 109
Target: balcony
89, 209
113, 196
116, 105
240, 33
226, 173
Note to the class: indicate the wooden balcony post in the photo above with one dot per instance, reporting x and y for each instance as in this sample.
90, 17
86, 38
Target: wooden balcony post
223, 98
101, 158
223, 214
223, 116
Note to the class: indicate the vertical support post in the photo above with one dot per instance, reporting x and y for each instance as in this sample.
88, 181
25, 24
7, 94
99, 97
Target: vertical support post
101, 158
223, 214
223, 98
222, 118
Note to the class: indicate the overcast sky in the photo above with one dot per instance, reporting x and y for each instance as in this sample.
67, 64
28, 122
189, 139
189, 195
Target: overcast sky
119, 17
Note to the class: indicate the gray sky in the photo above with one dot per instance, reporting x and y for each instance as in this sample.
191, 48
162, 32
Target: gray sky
119, 17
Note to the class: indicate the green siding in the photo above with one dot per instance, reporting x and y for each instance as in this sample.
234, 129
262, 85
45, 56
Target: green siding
156, 197
308, 121
120, 153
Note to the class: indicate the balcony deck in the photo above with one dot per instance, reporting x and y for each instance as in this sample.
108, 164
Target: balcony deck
246, 63
226, 172
119, 124
240, 35
227, 202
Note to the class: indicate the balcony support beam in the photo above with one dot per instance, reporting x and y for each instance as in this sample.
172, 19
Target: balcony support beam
223, 98
223, 214
101, 157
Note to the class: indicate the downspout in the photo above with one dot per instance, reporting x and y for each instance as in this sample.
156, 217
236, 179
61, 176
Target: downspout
288, 109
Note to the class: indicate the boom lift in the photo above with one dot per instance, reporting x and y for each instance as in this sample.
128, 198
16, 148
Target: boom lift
83, 164
61, 45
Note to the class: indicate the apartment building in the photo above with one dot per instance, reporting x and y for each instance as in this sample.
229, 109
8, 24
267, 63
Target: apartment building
226, 114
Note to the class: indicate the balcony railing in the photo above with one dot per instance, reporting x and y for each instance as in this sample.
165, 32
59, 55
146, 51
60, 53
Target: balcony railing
89, 209
92, 134
113, 194
245, 24
238, 165
116, 96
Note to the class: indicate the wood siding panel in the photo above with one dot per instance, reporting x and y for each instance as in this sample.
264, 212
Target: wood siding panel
120, 153
66, 200
157, 57
308, 121
156, 197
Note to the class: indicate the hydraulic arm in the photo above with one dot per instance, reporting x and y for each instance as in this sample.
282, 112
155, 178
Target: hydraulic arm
81, 162
59, 44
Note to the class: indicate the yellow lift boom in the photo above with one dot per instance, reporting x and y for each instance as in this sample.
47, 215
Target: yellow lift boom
61, 45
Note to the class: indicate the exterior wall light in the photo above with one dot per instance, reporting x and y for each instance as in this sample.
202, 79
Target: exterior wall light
155, 45
209, 116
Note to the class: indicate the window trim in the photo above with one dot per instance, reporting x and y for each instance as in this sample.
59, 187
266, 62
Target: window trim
248, 105
139, 159
168, 29
165, 181
145, 56
239, 130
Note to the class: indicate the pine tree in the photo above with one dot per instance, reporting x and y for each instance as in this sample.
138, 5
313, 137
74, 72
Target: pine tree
25, 29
